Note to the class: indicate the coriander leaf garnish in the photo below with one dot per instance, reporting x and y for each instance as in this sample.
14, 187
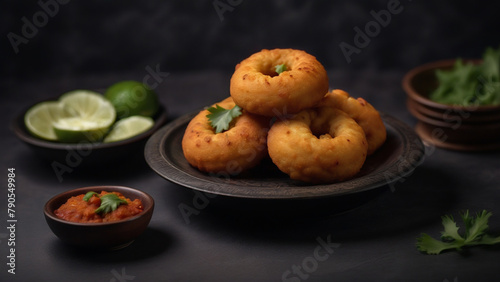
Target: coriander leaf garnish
475, 234
280, 68
89, 195
109, 203
220, 118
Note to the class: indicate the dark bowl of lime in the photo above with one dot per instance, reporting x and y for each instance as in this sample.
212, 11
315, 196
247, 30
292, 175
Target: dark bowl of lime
457, 102
86, 128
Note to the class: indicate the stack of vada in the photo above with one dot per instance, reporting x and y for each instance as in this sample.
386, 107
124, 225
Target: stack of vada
310, 133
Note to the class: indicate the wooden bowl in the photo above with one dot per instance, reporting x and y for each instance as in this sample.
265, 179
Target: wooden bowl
464, 128
107, 235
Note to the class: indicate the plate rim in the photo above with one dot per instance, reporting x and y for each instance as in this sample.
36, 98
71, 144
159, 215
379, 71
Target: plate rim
164, 167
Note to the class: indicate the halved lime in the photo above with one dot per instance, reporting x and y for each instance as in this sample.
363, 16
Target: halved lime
39, 119
79, 115
91, 117
74, 130
129, 127
132, 98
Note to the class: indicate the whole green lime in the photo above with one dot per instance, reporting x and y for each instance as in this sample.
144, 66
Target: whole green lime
131, 98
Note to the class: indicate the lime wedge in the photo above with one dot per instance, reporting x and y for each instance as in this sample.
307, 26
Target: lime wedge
79, 115
129, 127
91, 117
74, 130
39, 119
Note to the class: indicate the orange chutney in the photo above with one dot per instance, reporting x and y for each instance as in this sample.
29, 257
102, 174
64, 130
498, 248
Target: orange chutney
78, 210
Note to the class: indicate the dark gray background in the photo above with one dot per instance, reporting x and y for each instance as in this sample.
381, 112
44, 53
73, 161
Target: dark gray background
108, 36
91, 44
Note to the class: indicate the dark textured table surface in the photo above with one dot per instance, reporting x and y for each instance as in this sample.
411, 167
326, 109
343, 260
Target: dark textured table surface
374, 241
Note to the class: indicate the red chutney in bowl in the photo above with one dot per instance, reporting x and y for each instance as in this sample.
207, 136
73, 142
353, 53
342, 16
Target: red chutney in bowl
78, 210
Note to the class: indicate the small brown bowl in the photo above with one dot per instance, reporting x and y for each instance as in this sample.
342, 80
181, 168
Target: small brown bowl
463, 128
107, 235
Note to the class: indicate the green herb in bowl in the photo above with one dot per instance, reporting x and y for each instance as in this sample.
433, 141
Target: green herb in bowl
109, 202
469, 84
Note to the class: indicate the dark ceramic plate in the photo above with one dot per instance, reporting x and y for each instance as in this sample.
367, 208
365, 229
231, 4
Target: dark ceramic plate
85, 154
397, 158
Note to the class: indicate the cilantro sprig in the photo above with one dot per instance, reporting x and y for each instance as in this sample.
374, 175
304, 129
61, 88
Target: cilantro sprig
109, 202
220, 118
280, 68
451, 239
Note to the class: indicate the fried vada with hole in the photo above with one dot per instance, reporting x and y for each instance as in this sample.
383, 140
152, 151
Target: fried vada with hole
320, 145
362, 112
230, 152
256, 86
